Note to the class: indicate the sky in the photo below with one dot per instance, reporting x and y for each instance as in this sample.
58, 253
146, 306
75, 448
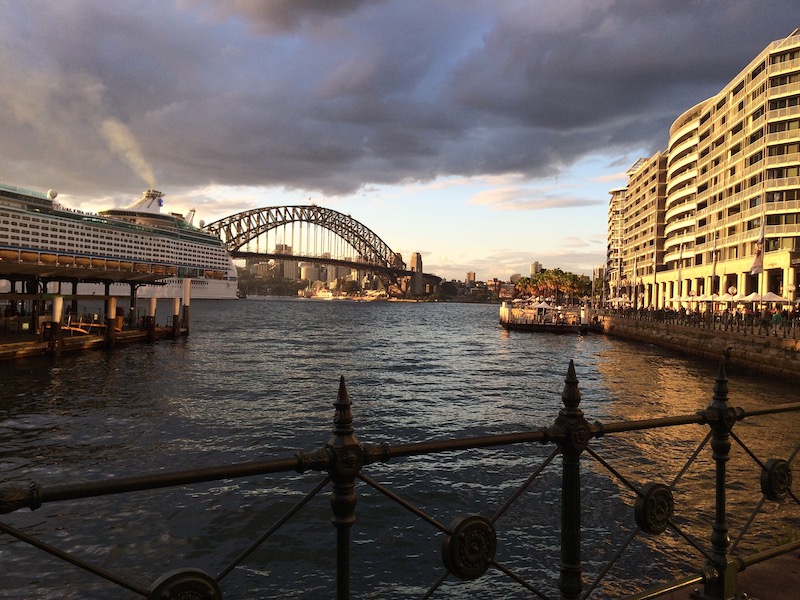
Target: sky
484, 135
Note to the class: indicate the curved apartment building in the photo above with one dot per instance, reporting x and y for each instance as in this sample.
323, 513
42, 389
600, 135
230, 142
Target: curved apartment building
692, 215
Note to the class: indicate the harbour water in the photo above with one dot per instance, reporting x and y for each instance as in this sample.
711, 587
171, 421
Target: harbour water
257, 378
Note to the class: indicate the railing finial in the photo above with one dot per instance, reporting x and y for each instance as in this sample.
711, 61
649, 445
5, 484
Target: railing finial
571, 396
343, 416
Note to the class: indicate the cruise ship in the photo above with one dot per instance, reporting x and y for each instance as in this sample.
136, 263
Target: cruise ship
137, 243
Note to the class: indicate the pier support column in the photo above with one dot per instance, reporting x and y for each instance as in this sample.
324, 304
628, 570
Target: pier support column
56, 335
187, 293
151, 320
74, 305
111, 321
176, 318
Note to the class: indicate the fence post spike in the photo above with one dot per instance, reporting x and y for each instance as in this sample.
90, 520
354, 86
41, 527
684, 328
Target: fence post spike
346, 459
577, 434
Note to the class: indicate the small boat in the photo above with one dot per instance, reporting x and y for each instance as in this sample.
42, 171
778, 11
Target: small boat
9, 255
48, 259
100, 263
141, 268
159, 269
63, 259
171, 270
124, 265
110, 264
82, 261
30, 257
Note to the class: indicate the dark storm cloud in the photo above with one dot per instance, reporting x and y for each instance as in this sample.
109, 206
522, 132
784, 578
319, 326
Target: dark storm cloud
334, 96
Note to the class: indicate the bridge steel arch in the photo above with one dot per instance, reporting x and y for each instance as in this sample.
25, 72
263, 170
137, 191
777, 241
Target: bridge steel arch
239, 229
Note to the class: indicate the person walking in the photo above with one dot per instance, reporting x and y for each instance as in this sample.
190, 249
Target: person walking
777, 320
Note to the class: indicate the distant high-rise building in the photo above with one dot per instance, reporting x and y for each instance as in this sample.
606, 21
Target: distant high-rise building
288, 268
470, 278
536, 267
417, 281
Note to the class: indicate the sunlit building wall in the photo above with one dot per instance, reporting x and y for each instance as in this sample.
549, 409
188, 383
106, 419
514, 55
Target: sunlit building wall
732, 163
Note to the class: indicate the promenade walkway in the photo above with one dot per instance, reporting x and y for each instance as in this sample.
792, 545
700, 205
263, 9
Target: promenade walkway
775, 579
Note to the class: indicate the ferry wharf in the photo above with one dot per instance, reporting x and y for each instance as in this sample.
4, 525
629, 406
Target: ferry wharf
51, 334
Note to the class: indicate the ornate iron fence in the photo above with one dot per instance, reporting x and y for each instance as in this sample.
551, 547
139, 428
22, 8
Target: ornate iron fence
469, 545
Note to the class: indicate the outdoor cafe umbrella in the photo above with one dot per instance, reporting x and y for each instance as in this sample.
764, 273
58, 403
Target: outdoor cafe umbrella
773, 297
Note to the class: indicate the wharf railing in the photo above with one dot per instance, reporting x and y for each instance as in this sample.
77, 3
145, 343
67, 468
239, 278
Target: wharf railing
748, 323
469, 545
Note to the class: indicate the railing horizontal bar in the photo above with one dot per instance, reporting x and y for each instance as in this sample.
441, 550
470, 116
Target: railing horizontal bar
162, 480
773, 410
486, 441
758, 557
623, 426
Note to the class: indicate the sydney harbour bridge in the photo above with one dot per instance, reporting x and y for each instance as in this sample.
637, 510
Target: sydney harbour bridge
310, 233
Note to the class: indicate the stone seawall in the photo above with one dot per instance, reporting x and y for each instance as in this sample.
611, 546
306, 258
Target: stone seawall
767, 355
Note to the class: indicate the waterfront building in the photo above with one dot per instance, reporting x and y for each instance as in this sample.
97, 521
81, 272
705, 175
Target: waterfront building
614, 270
730, 191
640, 228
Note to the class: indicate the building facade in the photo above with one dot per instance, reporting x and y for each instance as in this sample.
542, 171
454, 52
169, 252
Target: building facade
693, 218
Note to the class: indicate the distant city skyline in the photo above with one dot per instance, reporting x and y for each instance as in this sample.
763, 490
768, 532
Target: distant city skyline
482, 135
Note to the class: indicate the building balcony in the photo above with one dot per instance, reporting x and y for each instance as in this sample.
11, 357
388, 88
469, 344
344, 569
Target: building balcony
789, 159
786, 66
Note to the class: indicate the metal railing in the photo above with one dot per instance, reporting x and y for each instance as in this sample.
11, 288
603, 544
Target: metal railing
469, 546
747, 323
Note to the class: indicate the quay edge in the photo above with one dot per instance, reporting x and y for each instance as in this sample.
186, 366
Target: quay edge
764, 354
32, 348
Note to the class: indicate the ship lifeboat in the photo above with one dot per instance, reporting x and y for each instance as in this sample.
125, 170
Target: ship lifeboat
219, 274
110, 264
209, 274
82, 261
124, 265
171, 270
66, 260
100, 263
30, 257
9, 255
48, 259
141, 268
159, 269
